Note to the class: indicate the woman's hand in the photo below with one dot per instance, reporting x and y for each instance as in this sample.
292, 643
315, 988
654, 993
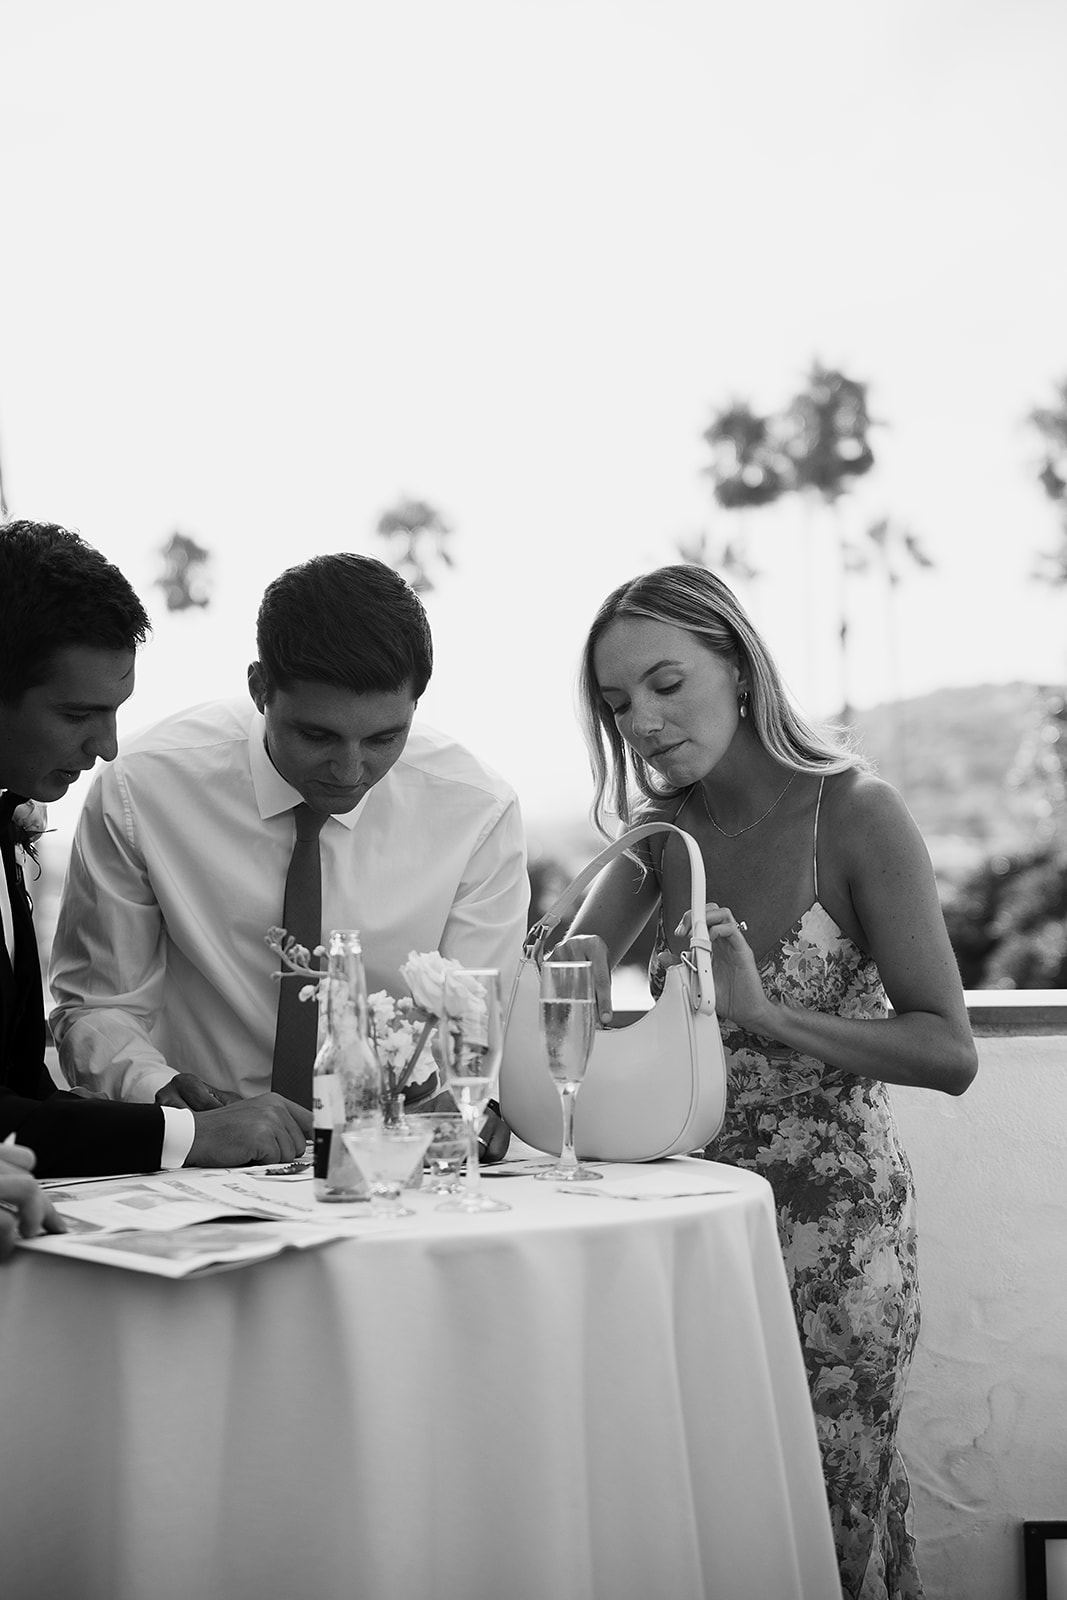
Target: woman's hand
739, 995
590, 947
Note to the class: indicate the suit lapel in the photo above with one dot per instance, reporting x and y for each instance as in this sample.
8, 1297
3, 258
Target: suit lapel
22, 1030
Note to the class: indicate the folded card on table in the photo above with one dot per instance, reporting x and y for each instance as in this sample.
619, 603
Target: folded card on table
661, 1180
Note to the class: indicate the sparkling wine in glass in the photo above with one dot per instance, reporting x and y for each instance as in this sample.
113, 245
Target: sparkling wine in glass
384, 1155
568, 1019
470, 1040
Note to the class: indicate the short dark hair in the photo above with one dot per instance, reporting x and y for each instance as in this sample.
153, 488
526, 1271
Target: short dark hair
344, 619
55, 591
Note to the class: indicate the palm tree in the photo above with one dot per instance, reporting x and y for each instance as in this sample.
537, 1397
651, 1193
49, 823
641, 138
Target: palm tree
747, 470
182, 557
1051, 424
892, 545
729, 558
419, 535
825, 436
1008, 921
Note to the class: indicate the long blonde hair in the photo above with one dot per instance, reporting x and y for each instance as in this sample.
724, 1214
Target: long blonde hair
693, 598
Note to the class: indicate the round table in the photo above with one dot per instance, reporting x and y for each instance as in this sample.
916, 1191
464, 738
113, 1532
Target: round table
582, 1398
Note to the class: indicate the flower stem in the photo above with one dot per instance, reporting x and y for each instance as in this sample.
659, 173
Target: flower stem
427, 1028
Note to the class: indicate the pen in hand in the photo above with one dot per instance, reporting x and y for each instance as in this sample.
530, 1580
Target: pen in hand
15, 1157
8, 1205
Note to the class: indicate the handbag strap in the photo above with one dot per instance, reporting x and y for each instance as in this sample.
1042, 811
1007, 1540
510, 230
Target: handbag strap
697, 958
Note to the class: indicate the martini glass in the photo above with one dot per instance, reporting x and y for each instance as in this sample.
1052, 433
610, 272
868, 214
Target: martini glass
384, 1155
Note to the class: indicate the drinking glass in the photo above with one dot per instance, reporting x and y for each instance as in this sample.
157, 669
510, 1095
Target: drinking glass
446, 1150
470, 1039
568, 1018
384, 1155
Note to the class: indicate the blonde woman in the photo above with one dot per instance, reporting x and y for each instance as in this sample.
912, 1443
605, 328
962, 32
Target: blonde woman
825, 915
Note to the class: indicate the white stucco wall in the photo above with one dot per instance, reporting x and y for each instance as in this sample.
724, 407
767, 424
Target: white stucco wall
984, 1430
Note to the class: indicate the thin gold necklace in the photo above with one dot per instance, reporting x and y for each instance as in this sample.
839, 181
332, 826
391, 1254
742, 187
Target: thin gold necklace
749, 826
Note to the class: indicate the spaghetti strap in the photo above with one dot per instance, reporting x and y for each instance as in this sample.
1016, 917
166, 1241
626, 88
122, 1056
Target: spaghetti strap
815, 840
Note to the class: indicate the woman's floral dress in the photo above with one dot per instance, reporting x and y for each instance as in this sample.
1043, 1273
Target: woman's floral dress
827, 1142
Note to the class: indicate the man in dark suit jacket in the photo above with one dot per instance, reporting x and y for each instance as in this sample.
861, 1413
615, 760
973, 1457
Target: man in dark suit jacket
69, 628
70, 1134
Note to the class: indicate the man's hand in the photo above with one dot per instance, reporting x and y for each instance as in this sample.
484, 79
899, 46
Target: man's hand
191, 1093
24, 1210
248, 1132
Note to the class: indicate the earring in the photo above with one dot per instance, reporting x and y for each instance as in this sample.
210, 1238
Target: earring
742, 704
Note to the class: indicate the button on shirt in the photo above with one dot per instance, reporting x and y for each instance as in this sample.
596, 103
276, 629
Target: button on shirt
178, 867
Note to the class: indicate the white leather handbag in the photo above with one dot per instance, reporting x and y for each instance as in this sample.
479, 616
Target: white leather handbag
655, 1088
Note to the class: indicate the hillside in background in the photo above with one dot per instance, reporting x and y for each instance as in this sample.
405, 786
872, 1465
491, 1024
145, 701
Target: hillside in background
964, 761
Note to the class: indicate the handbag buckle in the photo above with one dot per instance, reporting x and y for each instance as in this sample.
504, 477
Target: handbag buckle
537, 935
696, 985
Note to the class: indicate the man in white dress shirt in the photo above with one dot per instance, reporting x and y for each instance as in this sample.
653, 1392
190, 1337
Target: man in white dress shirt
160, 967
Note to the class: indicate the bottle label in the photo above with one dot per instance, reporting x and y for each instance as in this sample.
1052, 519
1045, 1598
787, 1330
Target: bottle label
327, 1100
321, 1150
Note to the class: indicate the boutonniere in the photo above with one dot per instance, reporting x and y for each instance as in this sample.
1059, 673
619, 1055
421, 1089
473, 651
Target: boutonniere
28, 822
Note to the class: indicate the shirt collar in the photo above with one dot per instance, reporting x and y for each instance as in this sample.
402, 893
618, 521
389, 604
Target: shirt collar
273, 794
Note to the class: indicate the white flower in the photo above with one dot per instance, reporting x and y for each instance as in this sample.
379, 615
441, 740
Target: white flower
396, 1033
425, 976
29, 821
31, 818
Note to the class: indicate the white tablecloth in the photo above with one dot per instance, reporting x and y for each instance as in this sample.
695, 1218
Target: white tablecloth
579, 1399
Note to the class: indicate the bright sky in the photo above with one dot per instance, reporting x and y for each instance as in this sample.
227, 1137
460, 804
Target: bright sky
269, 264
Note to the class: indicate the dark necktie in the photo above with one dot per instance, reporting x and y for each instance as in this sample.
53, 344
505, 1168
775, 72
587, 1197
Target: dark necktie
295, 1037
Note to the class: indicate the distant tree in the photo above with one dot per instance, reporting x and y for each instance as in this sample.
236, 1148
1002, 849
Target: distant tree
727, 556
1051, 424
747, 470
826, 430
748, 467
892, 548
1008, 921
1041, 764
418, 535
184, 564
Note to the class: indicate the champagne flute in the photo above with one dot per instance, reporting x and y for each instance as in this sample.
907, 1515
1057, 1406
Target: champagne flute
470, 1036
568, 1019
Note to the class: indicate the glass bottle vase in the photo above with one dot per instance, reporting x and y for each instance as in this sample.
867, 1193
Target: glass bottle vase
346, 1080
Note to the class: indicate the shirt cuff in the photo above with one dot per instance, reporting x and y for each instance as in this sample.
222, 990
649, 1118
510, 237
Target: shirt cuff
179, 1130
